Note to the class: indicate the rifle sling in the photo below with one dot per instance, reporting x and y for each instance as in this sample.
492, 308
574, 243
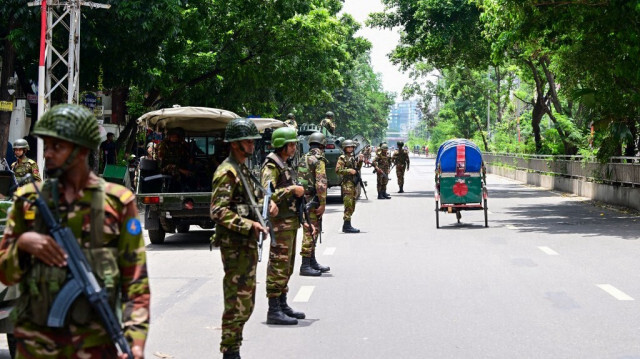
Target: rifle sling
247, 189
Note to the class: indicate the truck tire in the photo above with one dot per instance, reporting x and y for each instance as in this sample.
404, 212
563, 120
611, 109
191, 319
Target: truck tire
156, 236
11, 341
182, 228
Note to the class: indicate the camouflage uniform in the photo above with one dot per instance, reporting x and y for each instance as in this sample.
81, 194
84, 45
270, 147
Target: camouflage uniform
278, 174
173, 156
26, 166
291, 123
118, 260
382, 162
315, 185
345, 163
238, 249
401, 159
329, 125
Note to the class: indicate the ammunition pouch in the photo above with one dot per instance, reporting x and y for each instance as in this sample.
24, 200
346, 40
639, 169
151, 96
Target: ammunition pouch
42, 283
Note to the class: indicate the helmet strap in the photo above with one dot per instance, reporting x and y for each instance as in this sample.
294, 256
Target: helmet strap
58, 171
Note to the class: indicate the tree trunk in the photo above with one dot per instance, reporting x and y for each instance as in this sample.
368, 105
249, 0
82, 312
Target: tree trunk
539, 107
631, 148
484, 138
8, 61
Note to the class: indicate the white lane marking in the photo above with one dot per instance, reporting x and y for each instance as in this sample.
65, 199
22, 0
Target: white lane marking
509, 226
329, 251
548, 251
615, 292
304, 293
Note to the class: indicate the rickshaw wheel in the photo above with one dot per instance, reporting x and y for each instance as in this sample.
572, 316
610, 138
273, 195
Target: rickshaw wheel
437, 215
486, 214
458, 215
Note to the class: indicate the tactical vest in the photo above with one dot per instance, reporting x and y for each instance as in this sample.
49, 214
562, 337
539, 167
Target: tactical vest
42, 283
349, 163
286, 209
307, 173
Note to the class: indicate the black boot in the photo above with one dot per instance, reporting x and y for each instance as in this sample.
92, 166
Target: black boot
231, 355
346, 228
307, 270
317, 266
276, 316
380, 196
401, 190
286, 309
386, 195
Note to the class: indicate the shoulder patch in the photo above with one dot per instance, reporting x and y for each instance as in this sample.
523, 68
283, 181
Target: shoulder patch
133, 226
124, 195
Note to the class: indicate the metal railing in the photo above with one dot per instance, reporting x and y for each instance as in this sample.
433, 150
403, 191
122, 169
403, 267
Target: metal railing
619, 170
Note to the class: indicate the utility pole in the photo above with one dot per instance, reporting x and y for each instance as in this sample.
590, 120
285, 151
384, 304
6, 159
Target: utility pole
58, 14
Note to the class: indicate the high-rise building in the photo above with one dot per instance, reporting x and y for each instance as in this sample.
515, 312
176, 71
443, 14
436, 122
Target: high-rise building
403, 117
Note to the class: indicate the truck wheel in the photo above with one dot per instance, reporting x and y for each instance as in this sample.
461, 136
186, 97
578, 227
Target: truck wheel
12, 345
182, 228
156, 236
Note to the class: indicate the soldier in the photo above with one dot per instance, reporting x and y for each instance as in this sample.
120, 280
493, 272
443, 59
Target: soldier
104, 218
367, 155
328, 123
291, 121
382, 166
348, 167
277, 174
313, 177
174, 156
24, 166
236, 234
401, 160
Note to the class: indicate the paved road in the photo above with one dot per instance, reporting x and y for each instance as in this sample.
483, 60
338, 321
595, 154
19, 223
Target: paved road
552, 277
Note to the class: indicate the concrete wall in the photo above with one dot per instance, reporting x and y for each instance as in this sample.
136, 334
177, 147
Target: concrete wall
617, 195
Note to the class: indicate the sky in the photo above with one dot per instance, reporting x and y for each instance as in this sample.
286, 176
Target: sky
383, 41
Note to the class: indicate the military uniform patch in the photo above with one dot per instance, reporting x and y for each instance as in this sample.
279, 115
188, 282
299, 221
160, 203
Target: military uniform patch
134, 227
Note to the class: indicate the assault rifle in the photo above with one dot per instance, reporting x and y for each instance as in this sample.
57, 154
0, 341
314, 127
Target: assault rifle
81, 279
304, 208
265, 221
263, 217
361, 184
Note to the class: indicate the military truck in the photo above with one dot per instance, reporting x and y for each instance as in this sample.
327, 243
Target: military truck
173, 207
8, 295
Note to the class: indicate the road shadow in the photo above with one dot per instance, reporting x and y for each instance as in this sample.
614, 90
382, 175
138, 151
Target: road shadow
197, 239
572, 217
516, 191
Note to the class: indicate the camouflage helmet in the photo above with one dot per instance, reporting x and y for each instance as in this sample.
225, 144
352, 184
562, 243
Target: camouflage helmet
384, 146
282, 136
72, 123
20, 143
241, 129
329, 114
291, 116
318, 138
176, 131
400, 144
348, 143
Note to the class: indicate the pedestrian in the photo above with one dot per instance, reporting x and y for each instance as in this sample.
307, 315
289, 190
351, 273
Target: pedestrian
291, 121
328, 124
382, 166
349, 167
24, 166
277, 174
104, 218
108, 150
313, 177
237, 230
401, 160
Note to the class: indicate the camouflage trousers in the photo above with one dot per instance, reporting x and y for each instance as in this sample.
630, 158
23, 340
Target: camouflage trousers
382, 183
400, 174
239, 260
60, 346
349, 199
282, 256
308, 243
